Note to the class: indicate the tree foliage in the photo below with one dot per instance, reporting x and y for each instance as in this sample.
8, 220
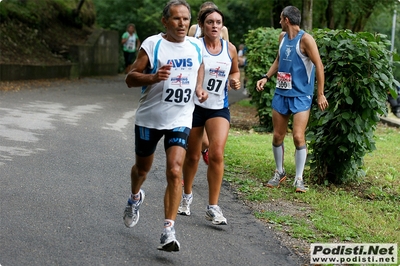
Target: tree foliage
117, 14
242, 16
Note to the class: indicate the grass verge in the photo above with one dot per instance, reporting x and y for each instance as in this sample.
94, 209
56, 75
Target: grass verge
366, 211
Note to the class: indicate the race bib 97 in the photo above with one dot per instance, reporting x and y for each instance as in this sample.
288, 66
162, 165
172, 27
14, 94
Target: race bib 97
215, 78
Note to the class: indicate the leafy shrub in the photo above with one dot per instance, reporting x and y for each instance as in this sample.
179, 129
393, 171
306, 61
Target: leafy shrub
358, 76
262, 45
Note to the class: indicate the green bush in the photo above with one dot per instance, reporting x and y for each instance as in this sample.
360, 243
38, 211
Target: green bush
262, 46
358, 76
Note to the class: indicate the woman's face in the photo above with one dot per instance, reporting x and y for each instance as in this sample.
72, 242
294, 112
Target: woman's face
212, 25
131, 29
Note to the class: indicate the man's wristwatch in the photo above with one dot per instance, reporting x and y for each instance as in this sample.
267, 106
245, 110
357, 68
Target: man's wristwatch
265, 76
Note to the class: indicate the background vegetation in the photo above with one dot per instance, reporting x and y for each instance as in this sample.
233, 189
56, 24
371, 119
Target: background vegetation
242, 16
36, 16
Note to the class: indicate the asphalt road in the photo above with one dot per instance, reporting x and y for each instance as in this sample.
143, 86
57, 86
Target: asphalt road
66, 150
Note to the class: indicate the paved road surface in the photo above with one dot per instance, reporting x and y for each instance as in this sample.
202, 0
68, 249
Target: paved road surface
65, 154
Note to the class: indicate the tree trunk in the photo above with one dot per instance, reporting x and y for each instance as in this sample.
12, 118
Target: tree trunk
307, 15
78, 8
330, 17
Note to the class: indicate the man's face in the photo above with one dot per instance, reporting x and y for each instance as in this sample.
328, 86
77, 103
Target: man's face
283, 22
177, 24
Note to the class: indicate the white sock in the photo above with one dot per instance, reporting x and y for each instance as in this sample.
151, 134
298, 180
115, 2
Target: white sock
135, 197
168, 224
187, 196
300, 161
278, 152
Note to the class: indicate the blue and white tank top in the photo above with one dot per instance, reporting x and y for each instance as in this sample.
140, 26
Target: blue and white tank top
169, 104
296, 72
216, 72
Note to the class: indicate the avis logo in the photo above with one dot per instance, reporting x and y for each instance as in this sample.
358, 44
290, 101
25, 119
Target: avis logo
179, 80
177, 141
217, 72
183, 62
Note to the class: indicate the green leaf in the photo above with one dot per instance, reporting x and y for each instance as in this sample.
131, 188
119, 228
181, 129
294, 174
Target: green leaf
346, 115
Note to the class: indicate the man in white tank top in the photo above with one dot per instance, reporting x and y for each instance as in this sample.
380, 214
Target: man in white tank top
170, 71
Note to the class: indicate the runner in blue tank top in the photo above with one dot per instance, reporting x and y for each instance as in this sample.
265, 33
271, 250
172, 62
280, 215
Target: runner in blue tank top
297, 64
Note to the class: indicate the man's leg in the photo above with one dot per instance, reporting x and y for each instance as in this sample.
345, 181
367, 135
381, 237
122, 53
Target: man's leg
173, 192
300, 121
280, 123
138, 176
139, 172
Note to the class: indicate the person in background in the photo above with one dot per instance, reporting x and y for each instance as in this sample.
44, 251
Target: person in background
221, 66
195, 31
297, 63
242, 65
170, 71
130, 44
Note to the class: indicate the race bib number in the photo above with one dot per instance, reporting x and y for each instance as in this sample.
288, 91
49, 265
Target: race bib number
131, 43
284, 81
178, 88
215, 78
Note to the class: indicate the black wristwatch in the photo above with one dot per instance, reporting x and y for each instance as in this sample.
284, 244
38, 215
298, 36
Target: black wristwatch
265, 76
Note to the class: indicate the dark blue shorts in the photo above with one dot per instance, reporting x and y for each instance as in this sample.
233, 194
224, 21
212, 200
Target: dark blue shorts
291, 105
146, 139
201, 115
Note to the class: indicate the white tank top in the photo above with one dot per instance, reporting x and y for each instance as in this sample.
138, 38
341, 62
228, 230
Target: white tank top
169, 104
217, 68
197, 33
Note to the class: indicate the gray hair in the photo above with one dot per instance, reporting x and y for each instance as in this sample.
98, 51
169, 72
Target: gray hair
293, 14
167, 9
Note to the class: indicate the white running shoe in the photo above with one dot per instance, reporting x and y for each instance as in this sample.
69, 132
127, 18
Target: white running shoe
215, 215
131, 213
168, 241
184, 206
